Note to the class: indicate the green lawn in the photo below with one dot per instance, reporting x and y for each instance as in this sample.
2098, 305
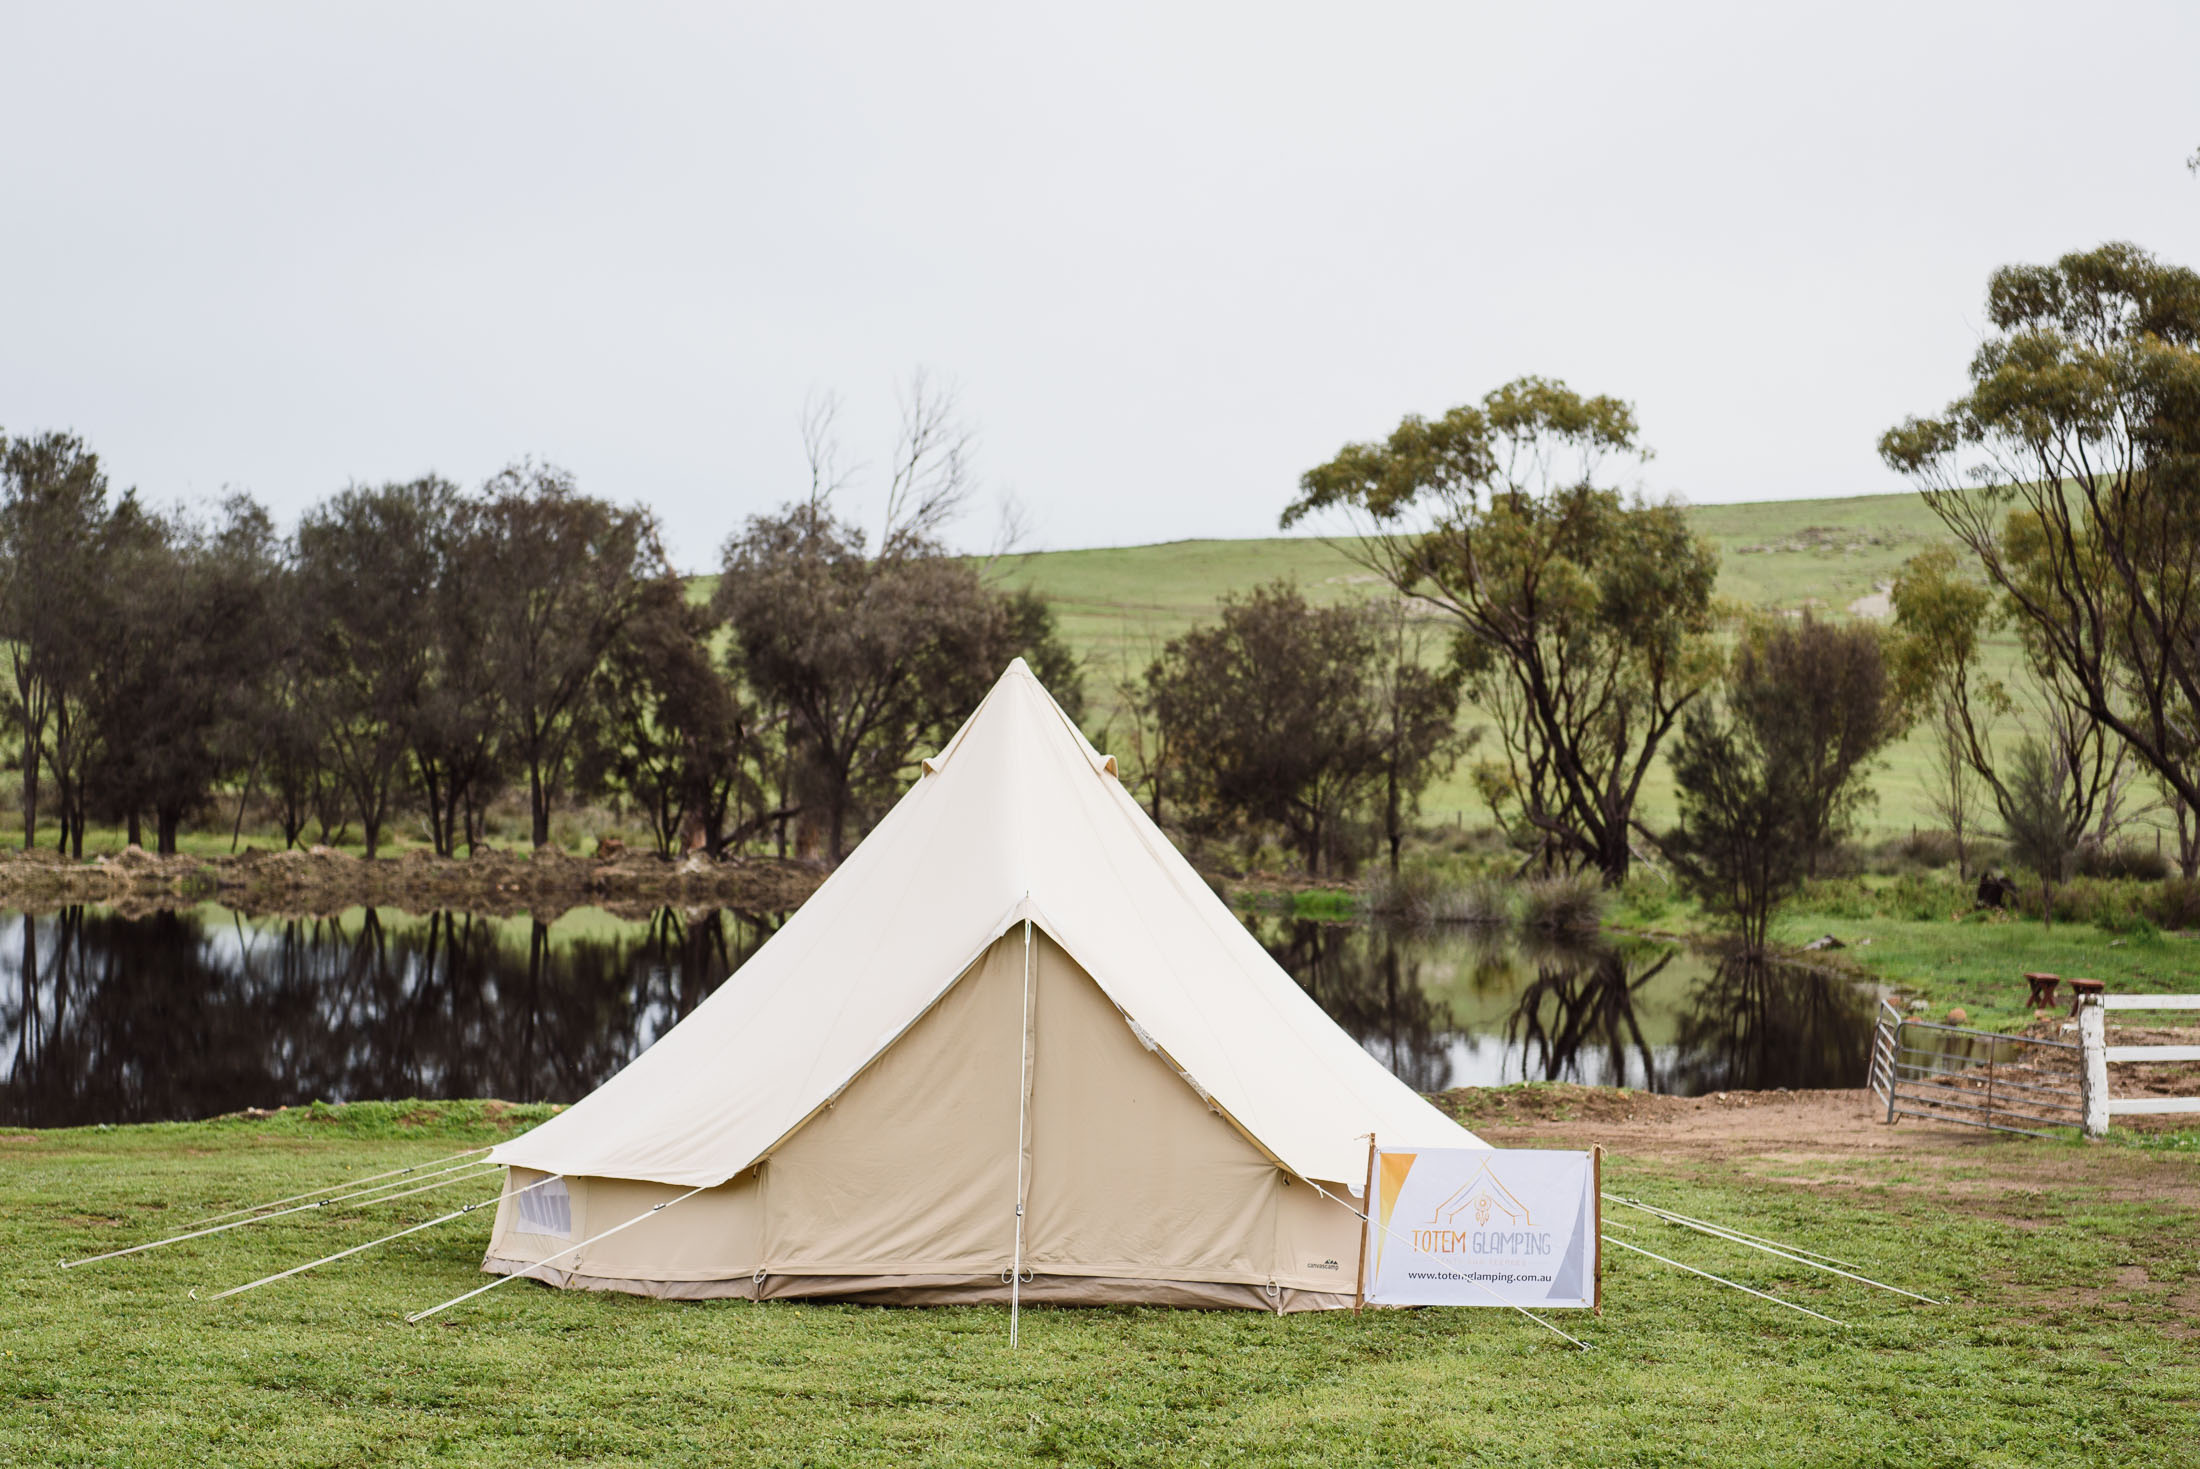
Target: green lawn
2070, 1339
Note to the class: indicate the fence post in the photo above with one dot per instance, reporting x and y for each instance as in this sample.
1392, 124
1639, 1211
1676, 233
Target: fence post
2093, 1066
1894, 1063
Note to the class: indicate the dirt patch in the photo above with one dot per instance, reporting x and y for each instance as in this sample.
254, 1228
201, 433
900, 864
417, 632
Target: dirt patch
319, 881
1828, 1140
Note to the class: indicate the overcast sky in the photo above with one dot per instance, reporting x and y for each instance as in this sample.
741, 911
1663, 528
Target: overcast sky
1171, 256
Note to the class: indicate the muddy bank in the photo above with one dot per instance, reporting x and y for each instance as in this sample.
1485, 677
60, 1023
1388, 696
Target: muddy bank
319, 881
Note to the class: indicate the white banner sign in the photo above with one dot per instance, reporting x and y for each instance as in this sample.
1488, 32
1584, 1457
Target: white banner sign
1483, 1227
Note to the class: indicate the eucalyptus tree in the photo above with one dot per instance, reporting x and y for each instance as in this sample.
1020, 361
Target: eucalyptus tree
183, 648
369, 565
1941, 619
868, 651
1583, 615
2071, 472
1301, 718
869, 654
679, 739
54, 514
560, 575
1773, 770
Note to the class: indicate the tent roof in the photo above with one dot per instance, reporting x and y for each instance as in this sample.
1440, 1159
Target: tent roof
1017, 817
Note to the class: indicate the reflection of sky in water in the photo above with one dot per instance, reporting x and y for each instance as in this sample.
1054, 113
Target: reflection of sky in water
1485, 1060
175, 1015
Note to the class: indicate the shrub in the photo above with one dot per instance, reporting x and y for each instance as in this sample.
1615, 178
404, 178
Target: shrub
1645, 898
1420, 894
2123, 858
1567, 903
2176, 904
1934, 849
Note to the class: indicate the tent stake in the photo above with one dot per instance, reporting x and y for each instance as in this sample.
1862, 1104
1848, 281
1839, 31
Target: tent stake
278, 1214
316, 1192
419, 1316
1692, 1270
1716, 1232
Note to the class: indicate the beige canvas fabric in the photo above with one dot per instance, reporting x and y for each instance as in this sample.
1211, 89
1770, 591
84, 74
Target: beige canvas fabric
858, 1097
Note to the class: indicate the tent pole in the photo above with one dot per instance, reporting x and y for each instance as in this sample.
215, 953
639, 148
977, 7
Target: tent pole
1367, 1228
1023, 1103
1596, 1185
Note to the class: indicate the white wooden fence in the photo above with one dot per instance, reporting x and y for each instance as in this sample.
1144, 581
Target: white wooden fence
2100, 1106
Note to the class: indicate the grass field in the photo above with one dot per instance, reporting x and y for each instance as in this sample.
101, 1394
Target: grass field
1119, 606
2070, 1340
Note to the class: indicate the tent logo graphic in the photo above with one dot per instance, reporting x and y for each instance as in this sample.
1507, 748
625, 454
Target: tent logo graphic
1483, 1197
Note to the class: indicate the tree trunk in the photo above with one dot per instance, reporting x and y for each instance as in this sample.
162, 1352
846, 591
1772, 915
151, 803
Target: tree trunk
132, 833
1392, 822
168, 821
1616, 858
30, 789
538, 803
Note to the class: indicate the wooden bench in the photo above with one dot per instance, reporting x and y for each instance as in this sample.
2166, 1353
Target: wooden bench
2081, 990
2043, 990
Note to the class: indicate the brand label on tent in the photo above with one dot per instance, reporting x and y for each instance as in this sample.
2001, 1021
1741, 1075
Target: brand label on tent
1483, 1227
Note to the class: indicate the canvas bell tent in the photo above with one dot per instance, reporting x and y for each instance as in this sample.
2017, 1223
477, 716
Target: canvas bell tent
1014, 1039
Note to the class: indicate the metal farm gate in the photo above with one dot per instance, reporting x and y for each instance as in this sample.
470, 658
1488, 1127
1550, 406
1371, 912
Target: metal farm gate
2011, 1083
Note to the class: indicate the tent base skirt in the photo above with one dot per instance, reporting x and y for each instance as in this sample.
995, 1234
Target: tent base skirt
946, 1290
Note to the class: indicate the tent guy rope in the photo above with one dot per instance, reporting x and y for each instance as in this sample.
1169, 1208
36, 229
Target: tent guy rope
460, 1213
1734, 1236
1722, 1280
331, 1188
361, 1197
653, 1209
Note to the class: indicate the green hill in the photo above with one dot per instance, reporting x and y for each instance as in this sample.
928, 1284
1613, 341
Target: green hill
1119, 605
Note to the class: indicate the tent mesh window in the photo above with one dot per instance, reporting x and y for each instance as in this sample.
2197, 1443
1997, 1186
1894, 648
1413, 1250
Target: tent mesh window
547, 1210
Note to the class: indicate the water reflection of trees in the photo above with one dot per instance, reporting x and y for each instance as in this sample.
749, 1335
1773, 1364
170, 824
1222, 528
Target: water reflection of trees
115, 1019
1579, 1012
1369, 980
1755, 1024
1578, 1018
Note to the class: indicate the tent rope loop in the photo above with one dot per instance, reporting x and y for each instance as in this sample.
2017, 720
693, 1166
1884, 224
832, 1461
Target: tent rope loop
1273, 1291
758, 1277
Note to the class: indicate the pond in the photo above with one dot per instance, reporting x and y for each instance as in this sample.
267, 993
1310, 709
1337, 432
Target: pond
114, 1017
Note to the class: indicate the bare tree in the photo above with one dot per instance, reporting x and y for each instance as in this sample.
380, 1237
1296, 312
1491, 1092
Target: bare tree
931, 482
1952, 788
